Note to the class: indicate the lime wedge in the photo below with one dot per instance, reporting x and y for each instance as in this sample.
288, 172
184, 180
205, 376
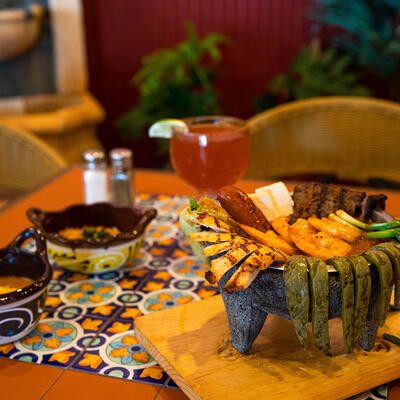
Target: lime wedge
163, 128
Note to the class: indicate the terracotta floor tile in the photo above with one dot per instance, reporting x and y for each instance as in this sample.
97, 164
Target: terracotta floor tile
172, 394
21, 380
81, 385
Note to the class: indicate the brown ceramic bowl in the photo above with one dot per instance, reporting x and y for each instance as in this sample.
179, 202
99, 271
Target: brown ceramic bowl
90, 255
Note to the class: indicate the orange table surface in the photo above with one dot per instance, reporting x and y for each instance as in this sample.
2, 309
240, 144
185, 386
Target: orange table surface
20, 380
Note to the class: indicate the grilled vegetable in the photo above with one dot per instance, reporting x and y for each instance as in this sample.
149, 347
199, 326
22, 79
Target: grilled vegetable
296, 287
393, 252
362, 282
342, 265
320, 304
384, 267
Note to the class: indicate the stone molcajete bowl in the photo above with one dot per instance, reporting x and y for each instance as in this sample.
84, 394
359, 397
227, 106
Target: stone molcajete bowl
21, 309
248, 309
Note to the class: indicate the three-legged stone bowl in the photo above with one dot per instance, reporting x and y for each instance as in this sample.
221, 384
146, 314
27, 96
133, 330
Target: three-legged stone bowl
248, 309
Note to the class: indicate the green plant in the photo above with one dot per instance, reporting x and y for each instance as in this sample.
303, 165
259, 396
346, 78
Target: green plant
175, 83
314, 73
366, 29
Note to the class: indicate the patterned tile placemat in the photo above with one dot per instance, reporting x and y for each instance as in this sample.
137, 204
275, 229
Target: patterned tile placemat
88, 321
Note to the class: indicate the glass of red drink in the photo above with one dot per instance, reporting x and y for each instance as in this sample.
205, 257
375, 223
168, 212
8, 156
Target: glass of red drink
212, 152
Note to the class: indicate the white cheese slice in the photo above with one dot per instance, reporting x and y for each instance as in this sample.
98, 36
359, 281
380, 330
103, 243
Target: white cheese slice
276, 198
262, 189
264, 203
281, 198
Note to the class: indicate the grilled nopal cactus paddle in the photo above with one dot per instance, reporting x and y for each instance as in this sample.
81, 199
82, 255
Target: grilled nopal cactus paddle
384, 267
393, 252
362, 281
189, 221
295, 276
320, 304
343, 266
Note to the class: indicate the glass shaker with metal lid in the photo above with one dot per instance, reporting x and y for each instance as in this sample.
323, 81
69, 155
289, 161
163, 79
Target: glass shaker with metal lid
95, 176
121, 182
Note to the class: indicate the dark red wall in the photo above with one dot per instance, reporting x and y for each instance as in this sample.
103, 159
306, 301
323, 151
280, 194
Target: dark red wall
265, 36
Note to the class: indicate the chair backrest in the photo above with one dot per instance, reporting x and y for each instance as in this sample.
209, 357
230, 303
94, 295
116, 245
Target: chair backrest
357, 139
25, 160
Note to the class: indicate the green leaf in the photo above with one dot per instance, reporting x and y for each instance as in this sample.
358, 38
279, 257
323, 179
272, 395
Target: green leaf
315, 73
175, 82
363, 28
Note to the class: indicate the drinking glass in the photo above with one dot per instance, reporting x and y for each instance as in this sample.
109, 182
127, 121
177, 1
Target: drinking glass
211, 152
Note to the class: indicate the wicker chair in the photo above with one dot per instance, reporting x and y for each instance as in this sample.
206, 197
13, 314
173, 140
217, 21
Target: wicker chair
356, 139
25, 161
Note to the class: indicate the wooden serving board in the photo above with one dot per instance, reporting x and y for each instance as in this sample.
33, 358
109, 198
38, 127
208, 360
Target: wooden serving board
191, 342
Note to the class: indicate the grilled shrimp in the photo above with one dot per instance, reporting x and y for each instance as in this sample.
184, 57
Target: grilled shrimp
281, 226
341, 231
317, 244
338, 246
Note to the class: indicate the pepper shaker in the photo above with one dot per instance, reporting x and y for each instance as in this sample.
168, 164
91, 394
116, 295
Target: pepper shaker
122, 191
95, 176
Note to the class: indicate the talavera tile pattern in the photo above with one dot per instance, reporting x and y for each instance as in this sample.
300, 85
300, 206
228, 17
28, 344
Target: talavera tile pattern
89, 320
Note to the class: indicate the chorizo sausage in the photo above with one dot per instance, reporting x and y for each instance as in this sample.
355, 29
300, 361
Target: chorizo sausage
241, 208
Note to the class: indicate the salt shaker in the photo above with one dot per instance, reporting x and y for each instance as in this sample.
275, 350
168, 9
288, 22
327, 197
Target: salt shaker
122, 192
95, 176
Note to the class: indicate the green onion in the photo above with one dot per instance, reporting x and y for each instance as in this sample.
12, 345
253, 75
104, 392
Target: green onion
390, 233
352, 221
391, 338
337, 219
395, 223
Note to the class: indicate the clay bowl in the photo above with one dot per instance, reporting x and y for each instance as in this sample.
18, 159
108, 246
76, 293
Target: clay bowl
21, 309
19, 30
91, 255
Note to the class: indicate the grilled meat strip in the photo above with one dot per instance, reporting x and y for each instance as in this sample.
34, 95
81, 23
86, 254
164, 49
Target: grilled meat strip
321, 199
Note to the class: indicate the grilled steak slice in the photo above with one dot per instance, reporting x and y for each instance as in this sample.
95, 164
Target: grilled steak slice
331, 199
352, 202
321, 199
